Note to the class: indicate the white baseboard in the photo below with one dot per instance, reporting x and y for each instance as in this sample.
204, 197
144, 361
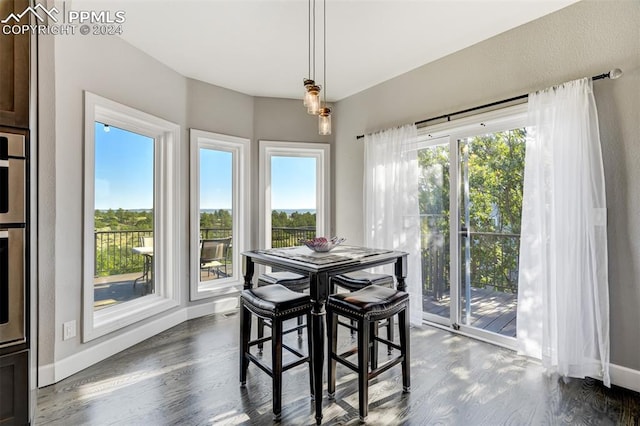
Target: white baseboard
624, 377
46, 375
52, 373
218, 306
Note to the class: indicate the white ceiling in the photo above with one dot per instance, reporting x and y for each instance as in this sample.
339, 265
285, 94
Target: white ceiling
259, 47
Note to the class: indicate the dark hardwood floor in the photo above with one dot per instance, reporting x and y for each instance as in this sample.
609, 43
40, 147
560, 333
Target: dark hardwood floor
188, 375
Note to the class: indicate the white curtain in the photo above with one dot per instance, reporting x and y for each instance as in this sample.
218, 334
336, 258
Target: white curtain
563, 296
391, 202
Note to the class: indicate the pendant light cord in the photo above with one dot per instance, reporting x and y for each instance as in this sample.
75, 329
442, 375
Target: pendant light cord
324, 44
313, 77
309, 38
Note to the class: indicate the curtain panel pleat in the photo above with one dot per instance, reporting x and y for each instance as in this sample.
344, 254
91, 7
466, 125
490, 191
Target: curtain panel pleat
563, 296
391, 210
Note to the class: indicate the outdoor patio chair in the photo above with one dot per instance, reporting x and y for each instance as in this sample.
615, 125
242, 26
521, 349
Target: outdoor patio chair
214, 255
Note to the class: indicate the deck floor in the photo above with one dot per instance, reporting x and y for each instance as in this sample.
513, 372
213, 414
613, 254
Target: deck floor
490, 310
114, 289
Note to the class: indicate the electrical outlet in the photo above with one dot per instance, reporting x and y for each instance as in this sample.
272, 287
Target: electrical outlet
69, 330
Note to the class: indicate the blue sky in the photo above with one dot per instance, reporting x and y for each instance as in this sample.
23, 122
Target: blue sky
123, 169
293, 183
215, 179
124, 175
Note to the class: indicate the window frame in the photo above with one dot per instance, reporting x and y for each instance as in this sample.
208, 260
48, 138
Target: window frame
321, 152
241, 227
166, 271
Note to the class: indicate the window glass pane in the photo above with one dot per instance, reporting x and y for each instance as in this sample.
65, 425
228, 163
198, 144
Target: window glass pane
124, 225
492, 178
216, 214
434, 213
293, 200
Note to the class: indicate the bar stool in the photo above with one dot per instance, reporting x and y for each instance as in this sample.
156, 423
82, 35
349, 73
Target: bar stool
290, 280
354, 281
366, 307
277, 304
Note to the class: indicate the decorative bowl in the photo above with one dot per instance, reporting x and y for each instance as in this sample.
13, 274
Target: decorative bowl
322, 244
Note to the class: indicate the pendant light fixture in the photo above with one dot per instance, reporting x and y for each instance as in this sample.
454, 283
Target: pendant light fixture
324, 113
312, 90
312, 101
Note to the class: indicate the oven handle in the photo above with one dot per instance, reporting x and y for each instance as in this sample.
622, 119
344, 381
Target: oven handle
4, 186
4, 174
4, 276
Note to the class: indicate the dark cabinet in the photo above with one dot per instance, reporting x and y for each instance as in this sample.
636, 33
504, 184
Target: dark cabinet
14, 70
14, 392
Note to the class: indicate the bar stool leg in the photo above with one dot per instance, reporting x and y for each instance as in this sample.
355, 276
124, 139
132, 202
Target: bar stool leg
332, 341
390, 336
403, 324
299, 329
363, 368
260, 334
373, 343
310, 349
276, 356
245, 335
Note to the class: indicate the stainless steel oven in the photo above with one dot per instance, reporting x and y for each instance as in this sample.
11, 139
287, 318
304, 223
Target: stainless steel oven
12, 239
12, 178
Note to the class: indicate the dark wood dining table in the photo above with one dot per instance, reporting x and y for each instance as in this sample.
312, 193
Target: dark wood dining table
320, 267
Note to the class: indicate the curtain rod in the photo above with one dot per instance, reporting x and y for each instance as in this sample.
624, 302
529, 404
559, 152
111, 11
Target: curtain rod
613, 74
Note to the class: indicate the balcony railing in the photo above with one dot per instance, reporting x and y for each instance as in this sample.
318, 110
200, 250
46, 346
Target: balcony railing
113, 254
287, 237
493, 258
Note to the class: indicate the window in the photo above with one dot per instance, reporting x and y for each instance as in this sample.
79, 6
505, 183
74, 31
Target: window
294, 192
471, 175
219, 212
131, 225
123, 215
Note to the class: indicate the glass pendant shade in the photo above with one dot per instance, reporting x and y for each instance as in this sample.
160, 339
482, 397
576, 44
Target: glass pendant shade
324, 121
313, 103
307, 96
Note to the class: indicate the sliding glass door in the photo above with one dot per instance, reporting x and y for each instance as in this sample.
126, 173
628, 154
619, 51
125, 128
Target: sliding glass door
434, 163
471, 176
492, 169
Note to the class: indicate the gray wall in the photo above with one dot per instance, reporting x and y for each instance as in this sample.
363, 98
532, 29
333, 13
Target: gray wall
281, 120
113, 69
585, 39
110, 67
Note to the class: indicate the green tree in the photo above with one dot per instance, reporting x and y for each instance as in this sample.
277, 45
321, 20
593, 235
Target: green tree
495, 167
